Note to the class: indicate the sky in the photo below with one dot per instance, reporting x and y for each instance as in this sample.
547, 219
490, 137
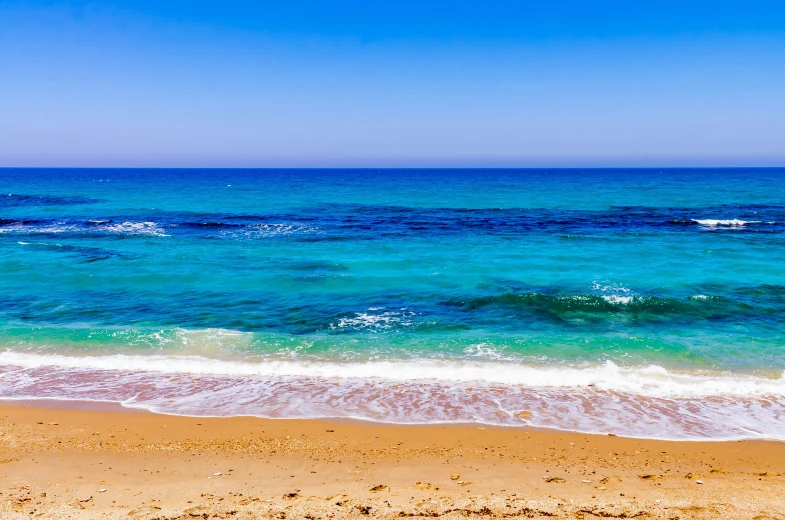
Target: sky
157, 83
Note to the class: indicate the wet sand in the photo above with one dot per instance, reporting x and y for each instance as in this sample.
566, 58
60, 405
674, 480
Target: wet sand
59, 462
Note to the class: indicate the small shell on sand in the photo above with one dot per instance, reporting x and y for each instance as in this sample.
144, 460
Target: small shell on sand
455, 476
699, 482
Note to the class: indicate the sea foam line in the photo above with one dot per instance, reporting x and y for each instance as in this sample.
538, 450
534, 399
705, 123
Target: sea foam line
651, 380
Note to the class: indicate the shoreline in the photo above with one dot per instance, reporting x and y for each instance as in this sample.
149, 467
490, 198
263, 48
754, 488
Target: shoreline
117, 406
659, 404
70, 463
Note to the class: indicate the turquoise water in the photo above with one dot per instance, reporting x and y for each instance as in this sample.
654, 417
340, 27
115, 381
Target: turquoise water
645, 302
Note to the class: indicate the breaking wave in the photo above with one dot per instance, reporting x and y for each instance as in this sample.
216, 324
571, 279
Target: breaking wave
728, 223
642, 401
90, 227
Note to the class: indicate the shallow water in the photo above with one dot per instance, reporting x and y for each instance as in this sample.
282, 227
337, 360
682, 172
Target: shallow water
643, 302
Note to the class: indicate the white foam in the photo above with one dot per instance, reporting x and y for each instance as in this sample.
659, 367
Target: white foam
483, 350
617, 299
124, 228
613, 293
269, 231
58, 227
726, 223
651, 380
381, 321
636, 401
135, 228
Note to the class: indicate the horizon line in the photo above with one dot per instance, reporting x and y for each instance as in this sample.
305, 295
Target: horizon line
693, 167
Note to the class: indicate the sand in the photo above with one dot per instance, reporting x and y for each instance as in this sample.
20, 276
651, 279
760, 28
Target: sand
109, 463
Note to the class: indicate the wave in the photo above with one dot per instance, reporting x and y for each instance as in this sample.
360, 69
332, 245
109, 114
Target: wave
651, 380
730, 223
90, 227
710, 308
645, 401
562, 306
134, 228
339, 222
256, 231
374, 320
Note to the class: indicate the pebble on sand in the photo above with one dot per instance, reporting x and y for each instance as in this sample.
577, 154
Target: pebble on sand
699, 482
217, 474
102, 490
380, 487
455, 476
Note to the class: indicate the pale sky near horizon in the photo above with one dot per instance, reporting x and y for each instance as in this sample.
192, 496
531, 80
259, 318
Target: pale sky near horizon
364, 84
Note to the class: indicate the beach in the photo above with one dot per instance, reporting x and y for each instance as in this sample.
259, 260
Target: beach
88, 460
341, 343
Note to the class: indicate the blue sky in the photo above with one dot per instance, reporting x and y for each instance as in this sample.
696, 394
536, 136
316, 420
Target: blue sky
236, 83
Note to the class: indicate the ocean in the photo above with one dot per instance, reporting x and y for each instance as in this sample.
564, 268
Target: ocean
642, 302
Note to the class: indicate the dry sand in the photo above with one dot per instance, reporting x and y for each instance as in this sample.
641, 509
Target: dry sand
68, 463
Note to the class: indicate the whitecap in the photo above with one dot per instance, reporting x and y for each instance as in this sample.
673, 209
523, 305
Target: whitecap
725, 223
135, 228
613, 293
381, 321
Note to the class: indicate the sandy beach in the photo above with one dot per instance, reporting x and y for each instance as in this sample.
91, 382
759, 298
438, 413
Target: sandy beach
106, 462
